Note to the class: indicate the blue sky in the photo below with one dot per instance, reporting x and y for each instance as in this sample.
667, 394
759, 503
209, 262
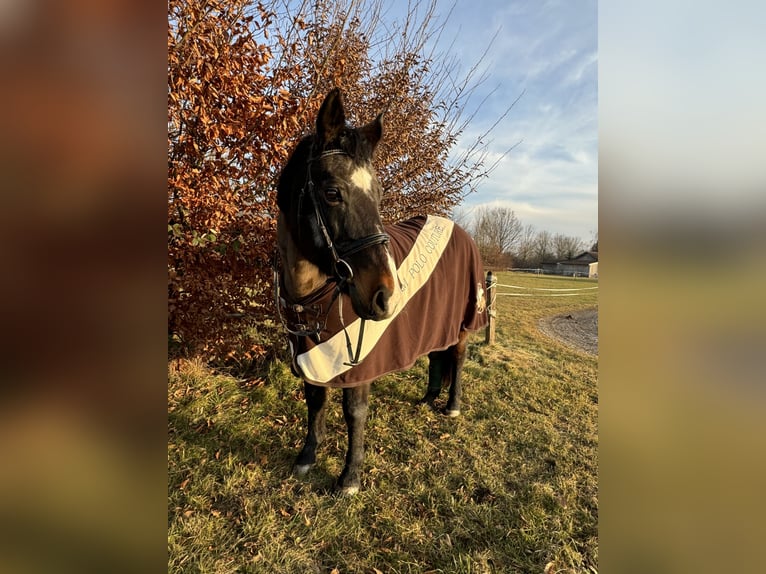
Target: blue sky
549, 51
682, 111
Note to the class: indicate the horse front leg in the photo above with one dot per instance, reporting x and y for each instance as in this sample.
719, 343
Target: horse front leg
456, 359
355, 402
316, 400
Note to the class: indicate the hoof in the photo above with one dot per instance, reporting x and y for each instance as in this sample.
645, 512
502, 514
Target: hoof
452, 413
347, 490
301, 469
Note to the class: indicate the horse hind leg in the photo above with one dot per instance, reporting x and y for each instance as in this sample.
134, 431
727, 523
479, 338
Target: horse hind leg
316, 401
456, 359
438, 375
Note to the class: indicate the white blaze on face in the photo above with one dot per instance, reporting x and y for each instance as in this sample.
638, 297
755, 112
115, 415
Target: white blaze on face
362, 178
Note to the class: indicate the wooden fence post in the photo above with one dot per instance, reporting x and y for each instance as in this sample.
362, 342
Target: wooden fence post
491, 308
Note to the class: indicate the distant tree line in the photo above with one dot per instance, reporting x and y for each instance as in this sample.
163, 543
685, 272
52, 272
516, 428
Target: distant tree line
505, 242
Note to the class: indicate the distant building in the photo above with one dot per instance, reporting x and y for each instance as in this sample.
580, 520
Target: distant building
584, 265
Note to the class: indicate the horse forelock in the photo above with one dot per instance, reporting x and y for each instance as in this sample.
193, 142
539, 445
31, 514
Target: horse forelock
350, 141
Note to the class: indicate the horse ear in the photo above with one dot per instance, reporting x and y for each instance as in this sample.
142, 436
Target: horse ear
331, 118
373, 131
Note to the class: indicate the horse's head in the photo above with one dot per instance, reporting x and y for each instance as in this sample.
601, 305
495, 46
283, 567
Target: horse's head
329, 197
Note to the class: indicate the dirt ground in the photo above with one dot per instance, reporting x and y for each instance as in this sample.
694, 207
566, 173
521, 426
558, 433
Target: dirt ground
577, 329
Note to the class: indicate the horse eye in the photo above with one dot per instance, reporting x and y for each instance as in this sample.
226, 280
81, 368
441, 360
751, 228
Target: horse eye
332, 196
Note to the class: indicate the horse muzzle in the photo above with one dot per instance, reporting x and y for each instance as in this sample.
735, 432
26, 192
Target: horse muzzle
378, 305
375, 288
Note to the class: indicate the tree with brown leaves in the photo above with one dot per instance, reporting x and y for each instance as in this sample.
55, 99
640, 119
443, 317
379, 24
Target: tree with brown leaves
245, 79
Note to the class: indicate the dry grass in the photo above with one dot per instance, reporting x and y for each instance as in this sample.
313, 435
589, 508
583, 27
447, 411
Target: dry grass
510, 486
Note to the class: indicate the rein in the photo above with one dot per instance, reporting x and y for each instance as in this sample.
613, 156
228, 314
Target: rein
343, 273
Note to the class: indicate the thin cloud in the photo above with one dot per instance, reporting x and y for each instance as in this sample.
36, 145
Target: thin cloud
549, 51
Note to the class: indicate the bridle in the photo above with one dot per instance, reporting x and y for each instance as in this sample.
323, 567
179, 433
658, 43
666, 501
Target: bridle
343, 273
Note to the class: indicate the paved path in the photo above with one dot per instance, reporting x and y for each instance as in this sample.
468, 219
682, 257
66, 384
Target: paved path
577, 329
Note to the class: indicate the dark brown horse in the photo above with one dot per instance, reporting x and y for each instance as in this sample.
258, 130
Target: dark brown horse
360, 299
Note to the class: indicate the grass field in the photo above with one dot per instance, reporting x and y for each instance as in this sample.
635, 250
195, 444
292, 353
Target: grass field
509, 486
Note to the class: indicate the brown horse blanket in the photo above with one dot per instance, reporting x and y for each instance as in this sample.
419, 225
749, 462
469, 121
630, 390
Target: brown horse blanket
441, 293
